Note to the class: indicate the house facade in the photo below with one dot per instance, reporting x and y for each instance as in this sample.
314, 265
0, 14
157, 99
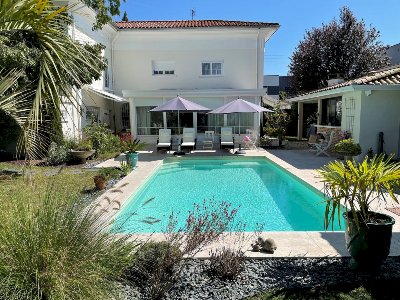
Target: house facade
367, 107
209, 62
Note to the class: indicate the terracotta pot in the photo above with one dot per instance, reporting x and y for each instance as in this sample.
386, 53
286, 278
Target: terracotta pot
100, 182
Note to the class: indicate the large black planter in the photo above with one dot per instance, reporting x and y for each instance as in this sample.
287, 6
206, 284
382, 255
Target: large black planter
368, 245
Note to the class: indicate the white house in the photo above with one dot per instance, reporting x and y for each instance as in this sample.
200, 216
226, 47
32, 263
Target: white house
209, 62
366, 107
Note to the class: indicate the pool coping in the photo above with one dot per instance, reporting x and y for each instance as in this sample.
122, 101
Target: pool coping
289, 243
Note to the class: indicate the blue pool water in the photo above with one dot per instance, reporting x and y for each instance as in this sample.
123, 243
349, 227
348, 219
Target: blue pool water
263, 192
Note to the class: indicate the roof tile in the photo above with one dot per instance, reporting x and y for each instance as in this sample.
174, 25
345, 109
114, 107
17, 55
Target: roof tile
387, 76
190, 24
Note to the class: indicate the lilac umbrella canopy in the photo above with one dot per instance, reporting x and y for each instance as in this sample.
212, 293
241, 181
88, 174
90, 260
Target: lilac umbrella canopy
179, 104
238, 106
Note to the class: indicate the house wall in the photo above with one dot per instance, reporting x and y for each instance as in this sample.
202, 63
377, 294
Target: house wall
380, 113
351, 114
135, 51
81, 30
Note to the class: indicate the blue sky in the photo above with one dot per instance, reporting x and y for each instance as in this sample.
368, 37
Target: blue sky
294, 17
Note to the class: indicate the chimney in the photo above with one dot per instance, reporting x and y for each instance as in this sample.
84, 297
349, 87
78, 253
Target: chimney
335, 79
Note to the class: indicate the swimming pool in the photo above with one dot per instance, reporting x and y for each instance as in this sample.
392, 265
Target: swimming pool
263, 192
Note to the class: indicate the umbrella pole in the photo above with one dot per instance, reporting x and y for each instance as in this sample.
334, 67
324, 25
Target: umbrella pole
240, 151
179, 152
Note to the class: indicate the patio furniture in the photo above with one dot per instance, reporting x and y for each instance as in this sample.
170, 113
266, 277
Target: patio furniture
227, 140
208, 140
250, 139
322, 147
188, 138
164, 140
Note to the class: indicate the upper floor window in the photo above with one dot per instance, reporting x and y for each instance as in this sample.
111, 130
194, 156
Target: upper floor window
211, 68
106, 79
163, 68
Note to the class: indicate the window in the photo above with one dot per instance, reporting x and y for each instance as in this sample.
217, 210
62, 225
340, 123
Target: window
211, 68
92, 114
332, 111
148, 123
106, 79
163, 68
125, 116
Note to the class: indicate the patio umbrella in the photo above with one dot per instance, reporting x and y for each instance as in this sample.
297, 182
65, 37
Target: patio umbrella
239, 106
179, 104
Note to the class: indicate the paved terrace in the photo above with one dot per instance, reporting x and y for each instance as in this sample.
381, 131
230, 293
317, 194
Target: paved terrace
301, 163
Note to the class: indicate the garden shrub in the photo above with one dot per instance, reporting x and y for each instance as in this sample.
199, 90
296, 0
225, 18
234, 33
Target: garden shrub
56, 248
153, 258
154, 268
227, 263
110, 173
102, 138
57, 155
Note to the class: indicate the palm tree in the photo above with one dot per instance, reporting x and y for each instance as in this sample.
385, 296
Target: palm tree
63, 65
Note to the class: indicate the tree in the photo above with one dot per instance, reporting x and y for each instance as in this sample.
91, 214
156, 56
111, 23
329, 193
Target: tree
105, 10
125, 17
276, 123
49, 63
345, 47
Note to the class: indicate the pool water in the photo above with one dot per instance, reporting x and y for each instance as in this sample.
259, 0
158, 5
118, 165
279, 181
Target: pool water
263, 192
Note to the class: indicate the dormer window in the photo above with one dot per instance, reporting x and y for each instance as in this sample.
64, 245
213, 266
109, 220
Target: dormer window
163, 68
211, 68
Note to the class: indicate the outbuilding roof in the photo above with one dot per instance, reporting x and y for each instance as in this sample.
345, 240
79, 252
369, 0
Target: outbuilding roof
386, 76
190, 24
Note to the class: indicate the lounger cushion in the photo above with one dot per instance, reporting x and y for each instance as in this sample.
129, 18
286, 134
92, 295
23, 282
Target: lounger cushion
163, 145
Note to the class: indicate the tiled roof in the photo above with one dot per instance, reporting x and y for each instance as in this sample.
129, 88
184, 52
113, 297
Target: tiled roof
387, 76
190, 24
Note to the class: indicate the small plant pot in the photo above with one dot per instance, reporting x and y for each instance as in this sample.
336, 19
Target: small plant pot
132, 158
100, 182
368, 245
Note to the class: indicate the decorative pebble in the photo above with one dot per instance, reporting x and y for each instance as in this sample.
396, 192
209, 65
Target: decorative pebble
195, 283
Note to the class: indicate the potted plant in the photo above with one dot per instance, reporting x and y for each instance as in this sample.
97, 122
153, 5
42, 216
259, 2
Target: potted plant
359, 186
83, 150
131, 146
348, 148
105, 174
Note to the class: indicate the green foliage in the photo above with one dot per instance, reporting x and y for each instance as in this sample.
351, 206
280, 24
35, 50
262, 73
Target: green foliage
51, 64
227, 263
53, 247
154, 258
125, 167
348, 147
358, 185
132, 146
84, 145
57, 155
9, 129
105, 10
276, 123
346, 47
102, 138
110, 173
125, 17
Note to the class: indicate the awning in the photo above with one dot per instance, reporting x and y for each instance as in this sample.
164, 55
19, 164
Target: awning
105, 94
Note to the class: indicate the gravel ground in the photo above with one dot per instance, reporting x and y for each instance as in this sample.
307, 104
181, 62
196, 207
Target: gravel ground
195, 282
